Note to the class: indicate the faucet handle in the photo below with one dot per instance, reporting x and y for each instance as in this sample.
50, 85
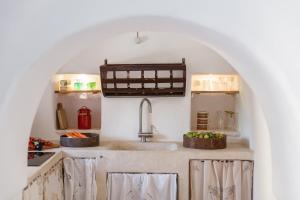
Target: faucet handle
146, 134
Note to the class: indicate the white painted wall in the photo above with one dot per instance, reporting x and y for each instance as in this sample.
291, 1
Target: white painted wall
171, 116
158, 47
44, 122
262, 155
259, 38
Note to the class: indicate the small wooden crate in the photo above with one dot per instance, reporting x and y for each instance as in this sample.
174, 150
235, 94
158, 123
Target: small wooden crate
202, 143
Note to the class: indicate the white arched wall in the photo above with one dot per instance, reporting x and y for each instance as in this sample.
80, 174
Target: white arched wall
251, 66
167, 112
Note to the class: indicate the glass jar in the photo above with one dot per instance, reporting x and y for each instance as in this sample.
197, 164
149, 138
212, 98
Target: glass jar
231, 120
220, 120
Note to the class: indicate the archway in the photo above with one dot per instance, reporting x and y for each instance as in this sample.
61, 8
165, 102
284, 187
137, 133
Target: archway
234, 51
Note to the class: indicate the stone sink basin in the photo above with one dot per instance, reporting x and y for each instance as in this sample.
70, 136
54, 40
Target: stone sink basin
139, 146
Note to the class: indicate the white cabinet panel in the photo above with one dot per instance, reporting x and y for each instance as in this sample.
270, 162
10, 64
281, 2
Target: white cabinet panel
53, 183
214, 180
144, 186
34, 190
47, 186
80, 179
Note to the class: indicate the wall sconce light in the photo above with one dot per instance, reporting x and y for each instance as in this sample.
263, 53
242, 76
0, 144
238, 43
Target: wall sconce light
66, 83
215, 83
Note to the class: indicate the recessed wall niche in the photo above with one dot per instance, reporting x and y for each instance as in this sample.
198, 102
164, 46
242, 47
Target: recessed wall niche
76, 91
213, 102
74, 101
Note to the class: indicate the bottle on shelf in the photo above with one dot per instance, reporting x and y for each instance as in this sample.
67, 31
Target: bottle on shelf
231, 120
84, 118
220, 120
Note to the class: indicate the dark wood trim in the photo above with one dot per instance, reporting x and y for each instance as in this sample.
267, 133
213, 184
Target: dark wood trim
155, 90
144, 80
145, 67
77, 91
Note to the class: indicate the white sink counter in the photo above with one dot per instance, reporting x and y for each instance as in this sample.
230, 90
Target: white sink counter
236, 149
114, 156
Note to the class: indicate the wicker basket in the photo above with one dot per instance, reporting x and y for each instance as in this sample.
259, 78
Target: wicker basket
201, 143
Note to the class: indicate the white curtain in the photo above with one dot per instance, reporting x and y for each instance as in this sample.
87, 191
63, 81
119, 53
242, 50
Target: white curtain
80, 179
53, 183
128, 186
221, 180
34, 190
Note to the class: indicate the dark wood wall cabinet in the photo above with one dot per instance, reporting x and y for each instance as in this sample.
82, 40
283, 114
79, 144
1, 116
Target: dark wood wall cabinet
155, 79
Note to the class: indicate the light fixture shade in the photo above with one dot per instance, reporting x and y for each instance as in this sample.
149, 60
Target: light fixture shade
215, 83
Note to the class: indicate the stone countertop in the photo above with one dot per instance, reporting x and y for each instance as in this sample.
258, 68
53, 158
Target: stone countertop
236, 150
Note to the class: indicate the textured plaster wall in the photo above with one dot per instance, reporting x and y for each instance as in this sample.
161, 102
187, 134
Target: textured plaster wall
259, 38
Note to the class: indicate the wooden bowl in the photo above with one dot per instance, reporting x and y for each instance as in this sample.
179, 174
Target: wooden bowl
201, 143
91, 141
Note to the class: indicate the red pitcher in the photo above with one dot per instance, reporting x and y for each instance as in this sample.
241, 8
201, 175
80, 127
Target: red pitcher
84, 118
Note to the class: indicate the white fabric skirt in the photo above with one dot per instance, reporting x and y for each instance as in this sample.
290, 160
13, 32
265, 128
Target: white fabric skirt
221, 180
127, 186
80, 179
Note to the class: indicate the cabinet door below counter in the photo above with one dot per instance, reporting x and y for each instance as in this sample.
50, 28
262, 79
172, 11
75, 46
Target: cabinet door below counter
212, 179
53, 183
47, 186
142, 186
34, 190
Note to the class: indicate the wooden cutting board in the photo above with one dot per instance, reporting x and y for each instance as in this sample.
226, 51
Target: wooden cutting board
61, 117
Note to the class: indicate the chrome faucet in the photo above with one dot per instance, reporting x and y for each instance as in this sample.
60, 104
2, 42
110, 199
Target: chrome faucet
142, 135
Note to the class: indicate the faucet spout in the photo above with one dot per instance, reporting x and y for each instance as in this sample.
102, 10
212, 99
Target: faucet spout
142, 135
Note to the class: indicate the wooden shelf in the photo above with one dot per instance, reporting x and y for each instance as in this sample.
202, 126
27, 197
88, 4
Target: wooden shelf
145, 80
61, 132
149, 81
215, 92
144, 91
77, 91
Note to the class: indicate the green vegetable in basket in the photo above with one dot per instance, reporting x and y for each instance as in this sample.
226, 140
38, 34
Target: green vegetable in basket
205, 135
